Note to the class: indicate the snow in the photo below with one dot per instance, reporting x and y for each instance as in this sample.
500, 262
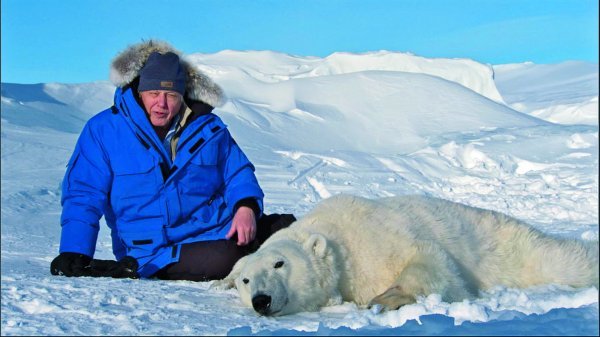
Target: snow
271, 67
374, 124
565, 93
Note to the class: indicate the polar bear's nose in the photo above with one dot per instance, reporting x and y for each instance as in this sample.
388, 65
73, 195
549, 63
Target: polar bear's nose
261, 303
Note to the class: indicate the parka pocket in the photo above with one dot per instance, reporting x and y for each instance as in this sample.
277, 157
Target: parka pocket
141, 244
207, 156
132, 165
133, 177
204, 176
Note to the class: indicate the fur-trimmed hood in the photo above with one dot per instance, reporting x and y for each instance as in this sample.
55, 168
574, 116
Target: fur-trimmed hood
126, 66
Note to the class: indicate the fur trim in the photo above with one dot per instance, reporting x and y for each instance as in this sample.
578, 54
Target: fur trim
126, 66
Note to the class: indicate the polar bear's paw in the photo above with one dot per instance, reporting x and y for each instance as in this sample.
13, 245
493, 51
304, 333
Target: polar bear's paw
223, 284
376, 309
391, 299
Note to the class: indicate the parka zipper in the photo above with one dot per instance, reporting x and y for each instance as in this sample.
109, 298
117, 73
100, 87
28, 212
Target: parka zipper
147, 142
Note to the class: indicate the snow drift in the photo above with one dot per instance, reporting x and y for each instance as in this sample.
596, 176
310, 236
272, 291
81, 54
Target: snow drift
565, 93
272, 67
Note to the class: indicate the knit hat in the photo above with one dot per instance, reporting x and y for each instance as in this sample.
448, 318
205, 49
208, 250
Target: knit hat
162, 72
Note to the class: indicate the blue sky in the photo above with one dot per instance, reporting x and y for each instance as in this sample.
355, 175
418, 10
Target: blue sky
74, 41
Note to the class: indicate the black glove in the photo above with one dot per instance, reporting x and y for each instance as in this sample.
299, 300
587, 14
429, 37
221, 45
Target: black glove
126, 268
75, 264
71, 264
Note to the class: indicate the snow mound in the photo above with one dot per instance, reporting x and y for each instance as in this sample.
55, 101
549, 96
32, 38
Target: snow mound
565, 93
268, 66
473, 75
384, 112
585, 112
70, 105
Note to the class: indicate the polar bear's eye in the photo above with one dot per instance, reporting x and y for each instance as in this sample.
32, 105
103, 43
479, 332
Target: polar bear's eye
245, 281
278, 264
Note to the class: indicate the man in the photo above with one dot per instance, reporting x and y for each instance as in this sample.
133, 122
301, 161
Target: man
165, 173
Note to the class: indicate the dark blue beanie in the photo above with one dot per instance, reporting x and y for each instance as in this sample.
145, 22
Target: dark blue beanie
162, 72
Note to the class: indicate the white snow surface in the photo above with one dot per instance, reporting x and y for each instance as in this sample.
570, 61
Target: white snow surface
374, 124
565, 93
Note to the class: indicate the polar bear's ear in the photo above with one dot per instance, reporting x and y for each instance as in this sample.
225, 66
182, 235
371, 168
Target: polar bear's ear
316, 244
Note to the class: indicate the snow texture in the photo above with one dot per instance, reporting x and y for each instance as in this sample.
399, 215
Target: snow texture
520, 139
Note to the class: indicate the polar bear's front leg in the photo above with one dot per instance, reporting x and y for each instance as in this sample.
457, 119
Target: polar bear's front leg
405, 290
431, 271
229, 281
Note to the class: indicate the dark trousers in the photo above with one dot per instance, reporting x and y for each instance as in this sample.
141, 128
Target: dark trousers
213, 260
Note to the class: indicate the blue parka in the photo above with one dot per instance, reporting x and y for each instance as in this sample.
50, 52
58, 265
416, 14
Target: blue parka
152, 204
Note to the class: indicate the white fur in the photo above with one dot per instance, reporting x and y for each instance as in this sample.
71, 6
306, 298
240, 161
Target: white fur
126, 66
386, 252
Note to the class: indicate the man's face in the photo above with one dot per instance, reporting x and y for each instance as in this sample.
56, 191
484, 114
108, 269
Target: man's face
161, 106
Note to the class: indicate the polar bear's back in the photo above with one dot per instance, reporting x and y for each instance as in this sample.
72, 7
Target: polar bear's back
490, 247
498, 249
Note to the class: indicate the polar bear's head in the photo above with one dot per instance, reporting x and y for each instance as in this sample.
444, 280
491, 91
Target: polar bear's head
287, 276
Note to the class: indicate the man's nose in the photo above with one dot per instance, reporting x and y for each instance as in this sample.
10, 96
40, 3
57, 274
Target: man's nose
162, 100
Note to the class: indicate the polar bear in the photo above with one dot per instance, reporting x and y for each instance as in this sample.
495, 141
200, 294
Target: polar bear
388, 251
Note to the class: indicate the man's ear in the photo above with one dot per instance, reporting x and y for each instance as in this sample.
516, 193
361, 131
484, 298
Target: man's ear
316, 244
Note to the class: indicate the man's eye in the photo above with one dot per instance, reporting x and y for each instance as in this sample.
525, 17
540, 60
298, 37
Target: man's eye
173, 97
278, 264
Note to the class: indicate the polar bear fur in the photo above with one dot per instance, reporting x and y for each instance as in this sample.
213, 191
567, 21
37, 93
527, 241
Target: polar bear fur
389, 251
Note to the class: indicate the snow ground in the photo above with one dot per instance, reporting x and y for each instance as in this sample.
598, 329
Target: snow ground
375, 124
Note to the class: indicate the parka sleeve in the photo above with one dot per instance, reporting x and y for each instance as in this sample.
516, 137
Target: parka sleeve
85, 191
238, 173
